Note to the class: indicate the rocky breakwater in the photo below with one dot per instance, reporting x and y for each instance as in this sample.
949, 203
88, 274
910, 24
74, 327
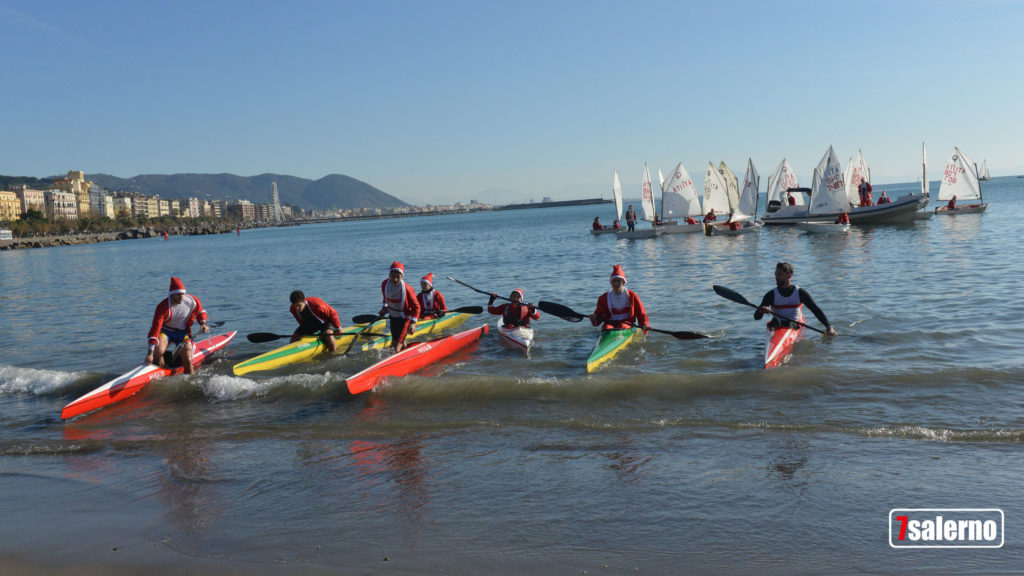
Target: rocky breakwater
129, 234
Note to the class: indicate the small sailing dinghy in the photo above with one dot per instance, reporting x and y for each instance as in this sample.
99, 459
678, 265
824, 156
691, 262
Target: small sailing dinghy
960, 181
617, 195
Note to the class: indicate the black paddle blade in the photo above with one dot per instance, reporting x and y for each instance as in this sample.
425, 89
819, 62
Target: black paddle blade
683, 335
258, 337
731, 295
365, 318
469, 309
215, 324
563, 312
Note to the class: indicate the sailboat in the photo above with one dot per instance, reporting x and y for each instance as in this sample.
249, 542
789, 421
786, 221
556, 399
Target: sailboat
617, 195
856, 171
959, 180
679, 201
716, 197
647, 211
924, 214
732, 184
780, 182
828, 195
983, 175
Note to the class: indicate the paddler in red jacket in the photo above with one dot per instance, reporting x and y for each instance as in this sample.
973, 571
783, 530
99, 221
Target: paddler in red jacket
619, 307
172, 322
515, 313
400, 304
432, 304
314, 317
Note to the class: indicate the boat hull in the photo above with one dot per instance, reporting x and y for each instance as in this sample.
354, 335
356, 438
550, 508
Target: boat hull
723, 230
427, 328
681, 228
639, 234
128, 384
966, 209
778, 346
823, 227
605, 230
518, 336
610, 343
415, 357
902, 209
302, 350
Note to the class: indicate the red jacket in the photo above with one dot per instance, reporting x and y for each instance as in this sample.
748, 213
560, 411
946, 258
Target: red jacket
411, 307
635, 313
320, 310
518, 314
163, 314
431, 311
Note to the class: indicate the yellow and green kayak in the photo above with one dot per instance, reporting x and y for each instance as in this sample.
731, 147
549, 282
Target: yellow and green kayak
426, 328
303, 349
608, 345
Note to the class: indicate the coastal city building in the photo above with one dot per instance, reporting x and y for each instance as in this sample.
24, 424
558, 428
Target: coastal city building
31, 199
122, 206
61, 205
10, 206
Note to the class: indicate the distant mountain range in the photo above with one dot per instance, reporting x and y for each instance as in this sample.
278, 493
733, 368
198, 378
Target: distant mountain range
333, 191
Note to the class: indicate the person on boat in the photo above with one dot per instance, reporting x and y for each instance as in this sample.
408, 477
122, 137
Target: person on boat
730, 223
172, 323
314, 317
864, 189
432, 304
515, 313
843, 218
619, 307
883, 199
630, 218
400, 305
790, 199
710, 216
787, 300
657, 221
615, 225
690, 220
952, 203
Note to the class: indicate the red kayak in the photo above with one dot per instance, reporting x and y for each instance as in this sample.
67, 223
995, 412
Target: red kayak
126, 385
413, 358
779, 346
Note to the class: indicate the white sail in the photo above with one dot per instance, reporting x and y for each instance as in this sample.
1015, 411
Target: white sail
924, 171
647, 197
747, 207
828, 193
679, 198
732, 185
855, 170
617, 195
983, 173
781, 180
661, 180
959, 179
716, 193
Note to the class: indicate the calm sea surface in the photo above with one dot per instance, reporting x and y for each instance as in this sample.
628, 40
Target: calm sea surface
676, 457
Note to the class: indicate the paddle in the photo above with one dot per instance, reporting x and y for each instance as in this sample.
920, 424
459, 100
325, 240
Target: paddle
260, 337
739, 299
368, 318
372, 318
477, 289
566, 313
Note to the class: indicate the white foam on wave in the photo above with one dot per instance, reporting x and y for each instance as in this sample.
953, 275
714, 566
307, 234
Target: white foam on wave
227, 388
15, 380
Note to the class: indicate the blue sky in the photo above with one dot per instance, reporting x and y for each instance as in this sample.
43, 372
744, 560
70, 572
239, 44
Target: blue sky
442, 101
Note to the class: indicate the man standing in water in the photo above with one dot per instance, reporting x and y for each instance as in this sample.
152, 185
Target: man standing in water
314, 317
619, 307
172, 323
787, 300
400, 304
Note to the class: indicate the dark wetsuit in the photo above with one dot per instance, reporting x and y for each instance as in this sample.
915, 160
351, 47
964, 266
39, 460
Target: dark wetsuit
805, 299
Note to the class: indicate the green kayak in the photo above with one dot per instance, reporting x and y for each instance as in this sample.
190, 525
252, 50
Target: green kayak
608, 345
303, 349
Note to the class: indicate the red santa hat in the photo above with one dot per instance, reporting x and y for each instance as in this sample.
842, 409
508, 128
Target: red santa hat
177, 286
618, 273
429, 279
396, 266
521, 293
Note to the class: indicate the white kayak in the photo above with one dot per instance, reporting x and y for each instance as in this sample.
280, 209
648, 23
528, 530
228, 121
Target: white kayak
521, 336
823, 227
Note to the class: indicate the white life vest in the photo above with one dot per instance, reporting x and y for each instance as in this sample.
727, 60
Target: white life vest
428, 302
790, 306
394, 298
619, 306
180, 313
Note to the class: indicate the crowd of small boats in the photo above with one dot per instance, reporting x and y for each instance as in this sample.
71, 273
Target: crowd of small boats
834, 192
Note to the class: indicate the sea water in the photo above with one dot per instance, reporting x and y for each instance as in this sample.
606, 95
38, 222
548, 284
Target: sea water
675, 457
